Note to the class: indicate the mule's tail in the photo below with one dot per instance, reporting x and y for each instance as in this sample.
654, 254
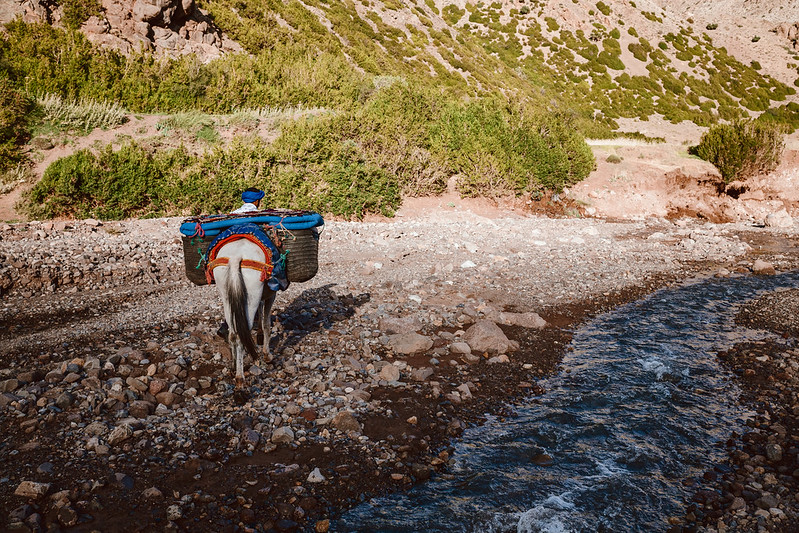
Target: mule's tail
237, 299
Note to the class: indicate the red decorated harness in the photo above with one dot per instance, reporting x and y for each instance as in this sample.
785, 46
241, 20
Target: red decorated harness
213, 261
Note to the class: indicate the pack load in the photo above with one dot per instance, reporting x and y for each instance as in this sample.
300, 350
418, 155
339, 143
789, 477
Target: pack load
292, 236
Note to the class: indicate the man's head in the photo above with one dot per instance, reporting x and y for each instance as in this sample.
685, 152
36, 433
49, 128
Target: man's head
252, 196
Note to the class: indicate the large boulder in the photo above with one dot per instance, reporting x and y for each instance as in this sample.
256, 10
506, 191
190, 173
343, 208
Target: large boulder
486, 336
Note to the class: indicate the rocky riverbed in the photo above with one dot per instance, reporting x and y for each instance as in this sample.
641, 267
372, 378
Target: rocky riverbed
757, 488
116, 396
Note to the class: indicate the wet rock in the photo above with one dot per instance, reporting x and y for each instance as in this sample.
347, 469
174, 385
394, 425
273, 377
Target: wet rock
346, 421
123, 480
409, 343
737, 503
286, 525
486, 336
9, 385
543, 459
421, 472
767, 501
32, 489
21, 513
774, 452
67, 516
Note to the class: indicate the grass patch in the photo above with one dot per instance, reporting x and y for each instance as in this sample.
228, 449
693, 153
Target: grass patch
80, 116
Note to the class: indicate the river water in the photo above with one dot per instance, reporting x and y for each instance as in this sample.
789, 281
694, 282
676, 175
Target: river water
641, 405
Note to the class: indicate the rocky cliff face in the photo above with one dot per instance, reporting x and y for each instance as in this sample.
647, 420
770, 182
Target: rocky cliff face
165, 27
790, 32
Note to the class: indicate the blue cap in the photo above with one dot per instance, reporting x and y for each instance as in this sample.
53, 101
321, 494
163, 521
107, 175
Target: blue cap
252, 196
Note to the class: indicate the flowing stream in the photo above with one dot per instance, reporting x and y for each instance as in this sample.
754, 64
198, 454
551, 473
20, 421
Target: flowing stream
641, 404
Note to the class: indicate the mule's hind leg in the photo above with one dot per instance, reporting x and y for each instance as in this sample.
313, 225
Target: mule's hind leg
237, 351
266, 320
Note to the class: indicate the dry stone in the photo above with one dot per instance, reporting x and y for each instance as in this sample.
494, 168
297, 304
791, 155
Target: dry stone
525, 320
486, 336
345, 421
120, 434
390, 373
394, 325
780, 219
32, 489
409, 343
283, 435
458, 348
763, 268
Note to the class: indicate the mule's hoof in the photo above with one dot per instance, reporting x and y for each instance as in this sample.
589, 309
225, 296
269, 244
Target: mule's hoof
241, 396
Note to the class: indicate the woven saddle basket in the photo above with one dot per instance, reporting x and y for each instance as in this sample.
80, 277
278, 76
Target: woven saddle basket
302, 260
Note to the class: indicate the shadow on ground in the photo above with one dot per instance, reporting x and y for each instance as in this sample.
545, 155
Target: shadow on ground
313, 310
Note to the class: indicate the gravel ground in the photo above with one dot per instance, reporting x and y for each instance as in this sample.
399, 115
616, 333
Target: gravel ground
116, 397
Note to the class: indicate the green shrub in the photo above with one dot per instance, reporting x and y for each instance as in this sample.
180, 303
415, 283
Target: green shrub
742, 149
638, 51
603, 8
134, 182
76, 12
14, 107
613, 158
452, 13
499, 151
787, 114
712, 26
107, 185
